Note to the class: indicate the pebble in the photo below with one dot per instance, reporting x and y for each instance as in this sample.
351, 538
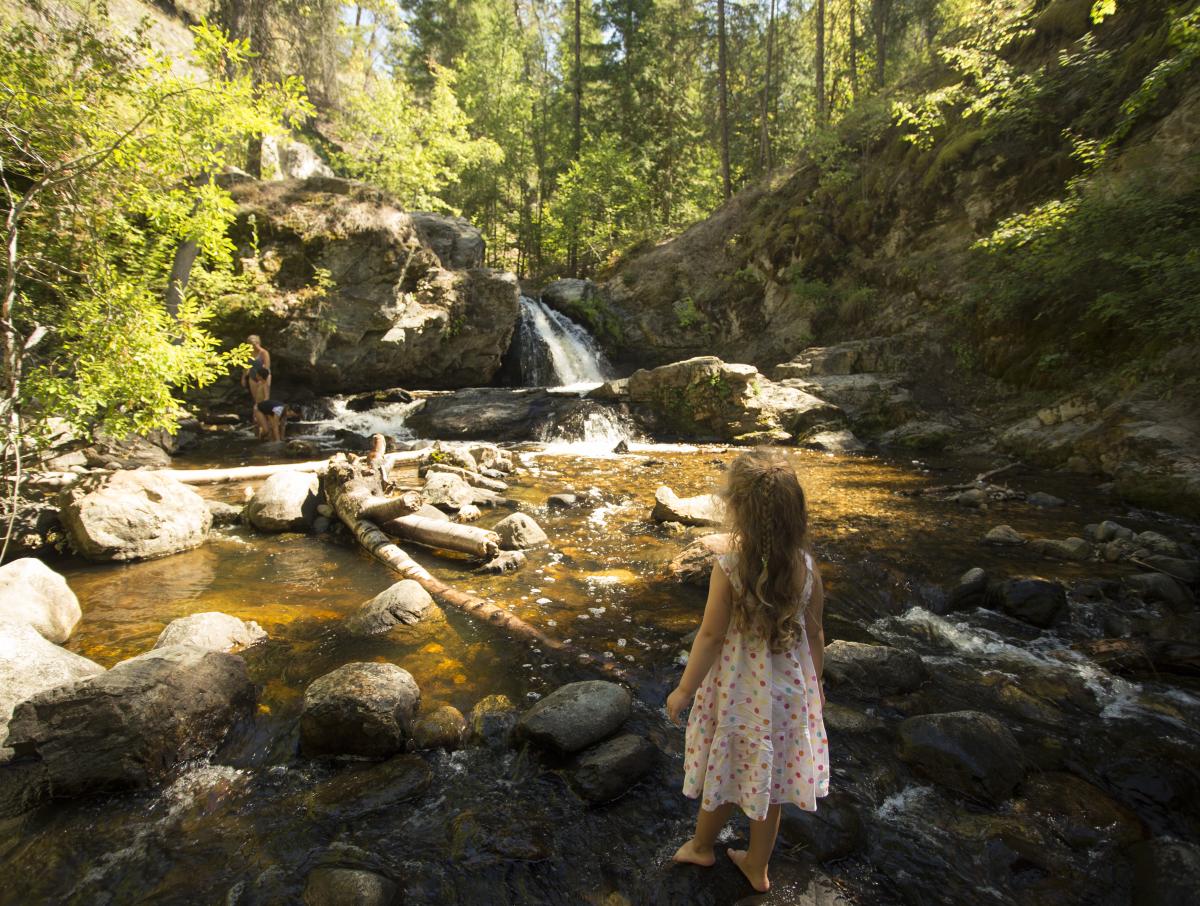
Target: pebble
543, 601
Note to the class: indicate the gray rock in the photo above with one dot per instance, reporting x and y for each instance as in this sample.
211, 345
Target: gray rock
284, 157
694, 564
212, 631
921, 436
608, 770
1065, 549
966, 751
30, 664
704, 509
873, 670
364, 788
504, 562
1158, 543
34, 594
842, 719
404, 603
1004, 534
492, 721
1035, 601
520, 532
458, 244
561, 501
224, 514
286, 502
1166, 872
128, 727
1186, 571
442, 728
974, 497
1042, 499
359, 709
321, 525
839, 441
576, 715
1112, 531
1118, 549
1157, 587
833, 831
133, 516
348, 887
447, 491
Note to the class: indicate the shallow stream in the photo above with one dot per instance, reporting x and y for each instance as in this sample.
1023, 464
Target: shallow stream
247, 827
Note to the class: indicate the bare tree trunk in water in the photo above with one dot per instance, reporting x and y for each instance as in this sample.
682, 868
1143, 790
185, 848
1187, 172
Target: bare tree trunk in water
723, 101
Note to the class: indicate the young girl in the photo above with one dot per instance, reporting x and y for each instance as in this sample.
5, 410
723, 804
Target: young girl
755, 737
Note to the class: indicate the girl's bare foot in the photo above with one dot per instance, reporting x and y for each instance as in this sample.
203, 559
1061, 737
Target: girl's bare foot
691, 854
755, 875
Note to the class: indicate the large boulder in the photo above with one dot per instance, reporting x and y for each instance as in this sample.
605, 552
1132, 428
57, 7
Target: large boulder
359, 293
404, 603
704, 509
520, 532
133, 516
213, 631
285, 502
30, 664
576, 715
873, 403
609, 769
129, 727
33, 593
705, 398
873, 670
967, 751
447, 491
497, 414
359, 709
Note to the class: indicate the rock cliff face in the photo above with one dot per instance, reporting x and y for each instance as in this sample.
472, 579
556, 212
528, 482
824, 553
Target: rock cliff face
362, 295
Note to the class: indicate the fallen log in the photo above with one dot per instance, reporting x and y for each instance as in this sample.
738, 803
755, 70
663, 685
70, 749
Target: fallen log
449, 536
472, 478
344, 483
385, 509
254, 473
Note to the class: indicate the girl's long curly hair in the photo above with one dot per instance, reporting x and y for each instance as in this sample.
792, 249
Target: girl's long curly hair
769, 530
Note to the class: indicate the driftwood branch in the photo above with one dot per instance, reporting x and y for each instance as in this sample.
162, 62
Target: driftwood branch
449, 536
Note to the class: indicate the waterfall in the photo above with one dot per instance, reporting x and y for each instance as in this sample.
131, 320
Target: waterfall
554, 350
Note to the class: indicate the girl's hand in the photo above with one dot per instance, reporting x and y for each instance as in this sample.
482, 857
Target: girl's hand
676, 702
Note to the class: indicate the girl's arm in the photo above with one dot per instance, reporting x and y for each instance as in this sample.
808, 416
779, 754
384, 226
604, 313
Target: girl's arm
707, 645
813, 617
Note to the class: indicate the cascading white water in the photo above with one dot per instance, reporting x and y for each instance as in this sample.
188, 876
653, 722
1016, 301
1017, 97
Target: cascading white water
555, 351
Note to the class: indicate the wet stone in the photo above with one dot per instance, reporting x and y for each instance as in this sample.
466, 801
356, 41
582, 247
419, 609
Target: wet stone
967, 751
504, 562
520, 532
1110, 531
492, 721
286, 502
442, 728
1082, 814
576, 715
841, 719
704, 509
403, 603
213, 631
970, 591
561, 501
609, 769
1166, 872
1186, 571
348, 887
1064, 549
1158, 543
833, 831
975, 497
873, 670
359, 709
1035, 601
1042, 499
224, 514
694, 564
1157, 587
33, 594
1004, 534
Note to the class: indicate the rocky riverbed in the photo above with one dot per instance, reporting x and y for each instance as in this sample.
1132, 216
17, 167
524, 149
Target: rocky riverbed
1023, 733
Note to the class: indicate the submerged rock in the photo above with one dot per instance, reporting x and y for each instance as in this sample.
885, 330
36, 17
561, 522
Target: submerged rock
704, 509
212, 631
133, 516
520, 532
609, 769
404, 603
492, 721
1082, 814
1065, 549
348, 887
442, 728
1157, 587
576, 715
286, 502
873, 670
130, 726
224, 514
34, 594
359, 709
360, 789
968, 751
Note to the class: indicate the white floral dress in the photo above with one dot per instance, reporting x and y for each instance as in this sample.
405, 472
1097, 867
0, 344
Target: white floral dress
756, 736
